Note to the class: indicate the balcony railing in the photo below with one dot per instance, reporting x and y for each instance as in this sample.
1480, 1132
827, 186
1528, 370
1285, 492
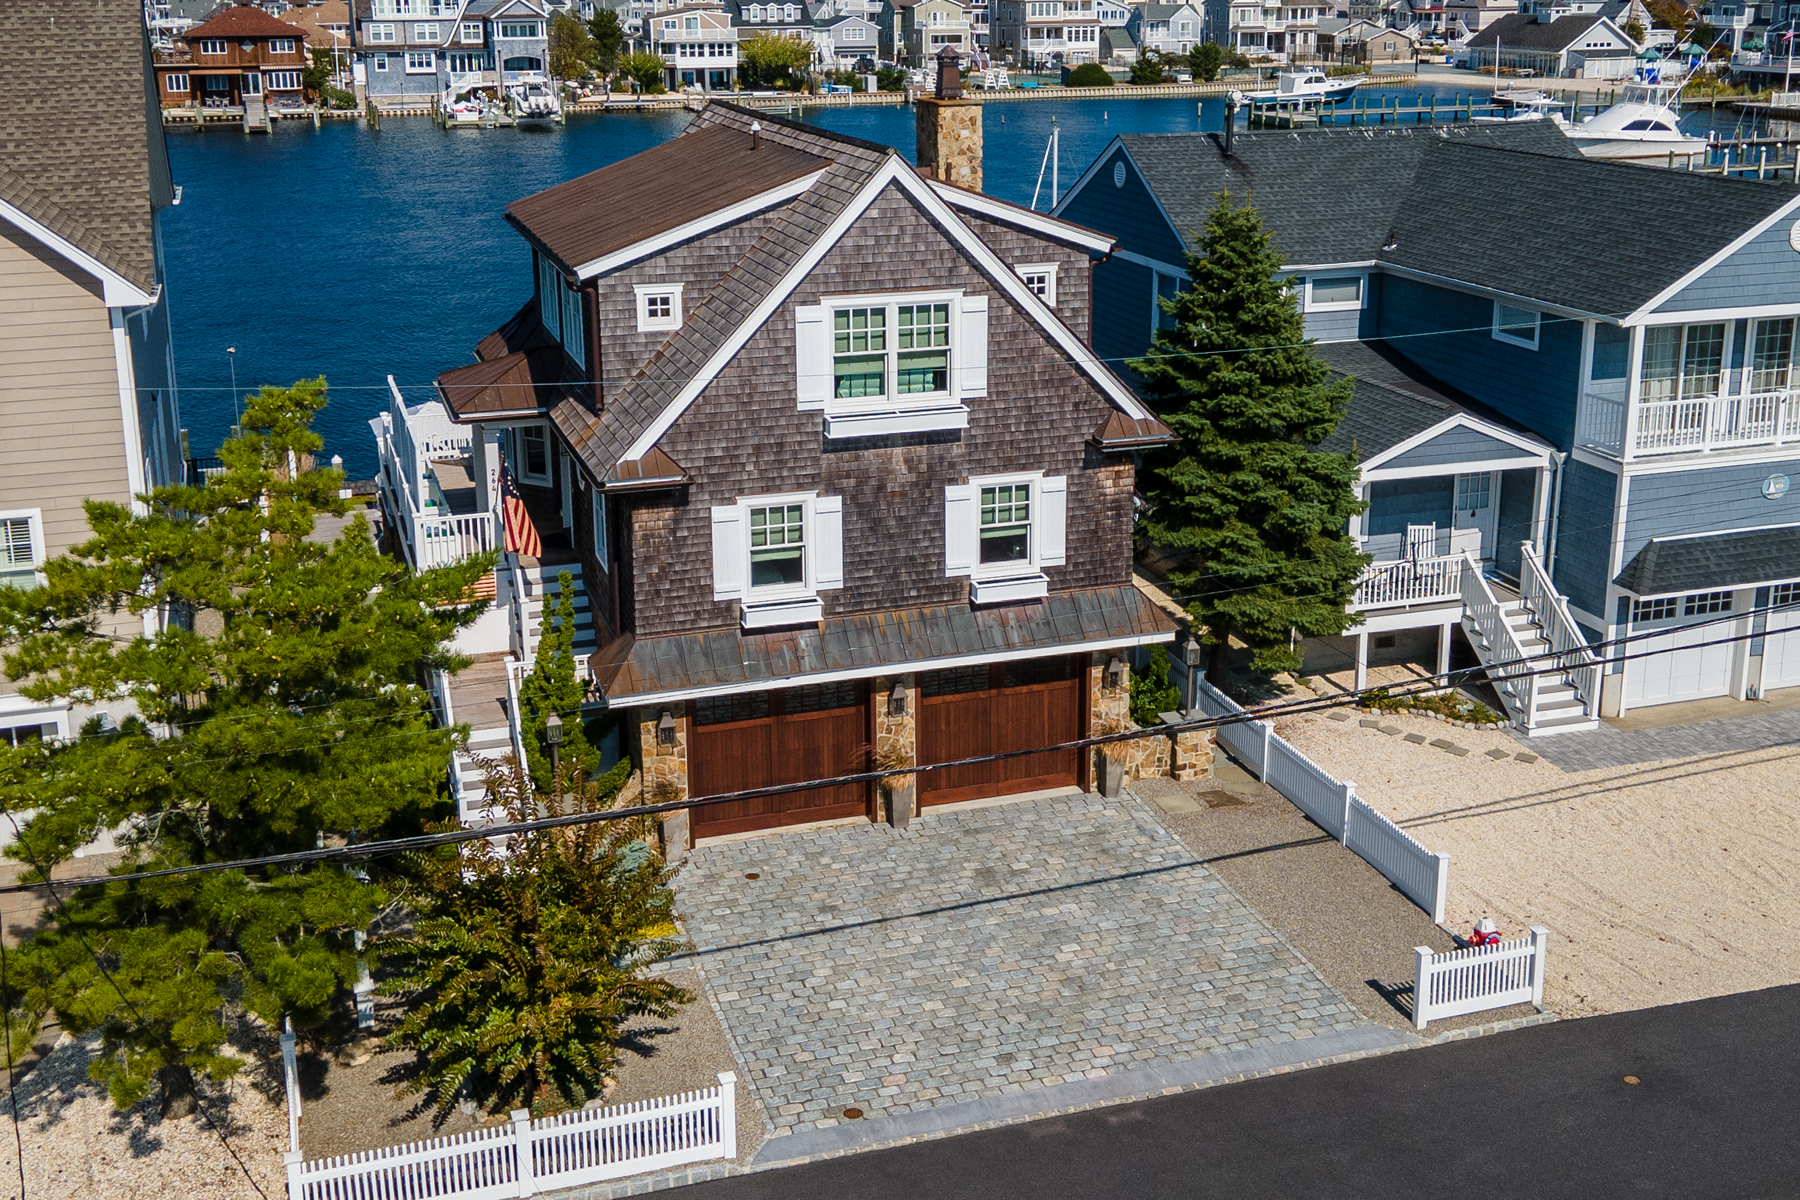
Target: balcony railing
1698, 424
1411, 581
407, 440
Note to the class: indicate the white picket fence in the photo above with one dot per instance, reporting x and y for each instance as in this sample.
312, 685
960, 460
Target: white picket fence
527, 1157
1331, 804
1479, 977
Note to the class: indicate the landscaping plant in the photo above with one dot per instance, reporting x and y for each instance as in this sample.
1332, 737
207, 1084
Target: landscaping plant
606, 38
278, 707
1261, 515
1148, 68
1206, 60
523, 965
774, 60
646, 69
571, 48
552, 688
1090, 75
1152, 694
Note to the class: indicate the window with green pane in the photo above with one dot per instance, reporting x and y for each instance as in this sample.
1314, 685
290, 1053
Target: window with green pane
924, 342
859, 352
1006, 523
777, 545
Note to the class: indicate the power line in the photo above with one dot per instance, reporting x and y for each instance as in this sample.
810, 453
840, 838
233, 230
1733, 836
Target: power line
1431, 685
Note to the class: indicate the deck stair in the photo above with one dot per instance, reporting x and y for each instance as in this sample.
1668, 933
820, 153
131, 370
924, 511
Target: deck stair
537, 588
256, 115
1535, 654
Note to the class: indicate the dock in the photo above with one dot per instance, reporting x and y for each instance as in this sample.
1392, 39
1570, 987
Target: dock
256, 115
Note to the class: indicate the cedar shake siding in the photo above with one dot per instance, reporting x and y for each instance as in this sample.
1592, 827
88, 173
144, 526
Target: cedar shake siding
1073, 268
745, 436
65, 436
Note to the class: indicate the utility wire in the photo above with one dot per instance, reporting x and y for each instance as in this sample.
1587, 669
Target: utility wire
380, 849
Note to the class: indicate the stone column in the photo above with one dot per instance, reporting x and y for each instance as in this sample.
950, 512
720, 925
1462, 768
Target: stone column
896, 733
1107, 707
665, 773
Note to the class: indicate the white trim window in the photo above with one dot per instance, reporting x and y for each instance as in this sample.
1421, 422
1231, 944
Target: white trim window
470, 33
1040, 280
549, 306
1683, 362
281, 45
1003, 530
658, 306
534, 454
1334, 293
282, 81
21, 547
1517, 326
175, 83
380, 32
519, 29
1661, 609
213, 47
1772, 355
597, 515
381, 62
891, 364
775, 554
421, 62
1473, 492
574, 329
426, 33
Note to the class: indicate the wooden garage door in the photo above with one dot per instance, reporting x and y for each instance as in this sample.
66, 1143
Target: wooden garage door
768, 738
971, 711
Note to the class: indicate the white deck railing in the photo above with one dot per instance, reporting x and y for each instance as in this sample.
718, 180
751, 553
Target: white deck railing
1479, 978
526, 1157
1410, 581
1503, 655
408, 439
1331, 804
1716, 422
1551, 609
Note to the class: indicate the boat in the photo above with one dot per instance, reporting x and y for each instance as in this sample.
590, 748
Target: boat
1643, 126
533, 99
1306, 88
1516, 106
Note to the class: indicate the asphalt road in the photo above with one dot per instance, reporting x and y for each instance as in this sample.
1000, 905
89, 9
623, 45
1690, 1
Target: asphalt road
1537, 1112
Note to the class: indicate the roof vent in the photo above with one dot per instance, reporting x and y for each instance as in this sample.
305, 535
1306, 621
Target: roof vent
755, 134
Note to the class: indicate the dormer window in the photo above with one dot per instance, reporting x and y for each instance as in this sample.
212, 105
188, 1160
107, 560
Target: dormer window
878, 365
658, 306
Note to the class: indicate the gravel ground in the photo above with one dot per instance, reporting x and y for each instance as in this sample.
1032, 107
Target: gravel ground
1355, 927
1659, 882
78, 1147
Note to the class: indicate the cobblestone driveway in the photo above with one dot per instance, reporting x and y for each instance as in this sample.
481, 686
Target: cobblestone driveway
983, 951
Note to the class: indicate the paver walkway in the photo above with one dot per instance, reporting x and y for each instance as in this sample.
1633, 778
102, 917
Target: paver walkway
1611, 747
984, 951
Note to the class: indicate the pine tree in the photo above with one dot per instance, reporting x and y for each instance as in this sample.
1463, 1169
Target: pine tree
1261, 513
523, 966
278, 707
552, 688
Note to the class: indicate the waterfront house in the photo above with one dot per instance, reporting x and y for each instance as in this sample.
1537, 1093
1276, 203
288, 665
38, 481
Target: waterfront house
1274, 29
410, 51
1473, 16
1367, 44
325, 26
1654, 359
699, 43
1580, 45
827, 454
1116, 46
913, 31
844, 34
1044, 33
1113, 14
1166, 28
241, 52
90, 403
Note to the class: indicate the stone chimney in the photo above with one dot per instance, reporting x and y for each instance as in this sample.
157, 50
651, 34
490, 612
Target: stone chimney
950, 129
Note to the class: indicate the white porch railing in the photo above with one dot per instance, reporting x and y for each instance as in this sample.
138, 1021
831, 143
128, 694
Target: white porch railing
527, 1157
1600, 422
407, 440
1504, 656
1331, 804
1410, 581
1479, 978
1544, 602
1716, 422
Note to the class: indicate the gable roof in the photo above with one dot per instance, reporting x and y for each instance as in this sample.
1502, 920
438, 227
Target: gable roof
1601, 243
241, 21
84, 178
849, 174
1523, 31
1396, 401
1162, 12
655, 192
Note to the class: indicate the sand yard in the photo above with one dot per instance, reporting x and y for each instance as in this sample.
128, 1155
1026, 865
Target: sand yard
1659, 882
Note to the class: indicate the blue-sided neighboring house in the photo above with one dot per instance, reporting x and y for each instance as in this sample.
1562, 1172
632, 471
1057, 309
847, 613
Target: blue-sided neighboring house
1589, 394
409, 51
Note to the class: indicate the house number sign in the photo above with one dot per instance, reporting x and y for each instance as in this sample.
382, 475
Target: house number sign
1775, 487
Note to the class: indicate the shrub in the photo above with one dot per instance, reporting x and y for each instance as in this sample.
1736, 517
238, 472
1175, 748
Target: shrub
890, 79
1148, 68
1089, 75
1151, 692
1205, 60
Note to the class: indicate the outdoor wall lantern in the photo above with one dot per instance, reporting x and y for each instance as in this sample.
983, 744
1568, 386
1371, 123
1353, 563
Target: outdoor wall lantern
1115, 673
665, 729
897, 699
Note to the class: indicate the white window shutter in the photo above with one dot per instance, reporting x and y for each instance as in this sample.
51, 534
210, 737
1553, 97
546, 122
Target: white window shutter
1052, 524
729, 558
971, 349
828, 542
961, 529
812, 356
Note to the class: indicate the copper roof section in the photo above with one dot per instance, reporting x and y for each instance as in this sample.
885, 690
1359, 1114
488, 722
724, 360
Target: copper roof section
683, 180
655, 470
871, 643
1122, 432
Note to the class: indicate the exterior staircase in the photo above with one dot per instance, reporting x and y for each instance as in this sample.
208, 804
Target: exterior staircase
536, 589
1535, 654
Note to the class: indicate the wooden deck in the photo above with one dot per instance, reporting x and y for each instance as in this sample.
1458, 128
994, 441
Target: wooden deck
478, 693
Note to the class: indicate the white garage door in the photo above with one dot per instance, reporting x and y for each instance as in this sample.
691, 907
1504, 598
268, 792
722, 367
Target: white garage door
1675, 664
1781, 647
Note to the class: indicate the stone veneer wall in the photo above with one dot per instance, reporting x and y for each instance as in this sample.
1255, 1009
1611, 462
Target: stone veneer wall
662, 767
896, 732
949, 140
1187, 755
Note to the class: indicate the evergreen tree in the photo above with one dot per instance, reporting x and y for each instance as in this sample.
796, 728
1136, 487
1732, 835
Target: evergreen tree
278, 707
608, 40
552, 688
524, 965
1262, 514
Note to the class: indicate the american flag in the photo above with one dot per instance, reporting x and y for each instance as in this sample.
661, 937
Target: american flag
521, 534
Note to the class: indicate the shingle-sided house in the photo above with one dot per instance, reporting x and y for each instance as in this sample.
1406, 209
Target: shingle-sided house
89, 380
1617, 408
240, 51
828, 451
1166, 28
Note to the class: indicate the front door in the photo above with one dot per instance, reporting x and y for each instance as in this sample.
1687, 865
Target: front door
1474, 502
252, 84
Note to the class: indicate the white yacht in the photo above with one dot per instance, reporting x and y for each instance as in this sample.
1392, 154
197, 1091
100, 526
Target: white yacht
533, 99
1305, 88
1644, 126
1517, 106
